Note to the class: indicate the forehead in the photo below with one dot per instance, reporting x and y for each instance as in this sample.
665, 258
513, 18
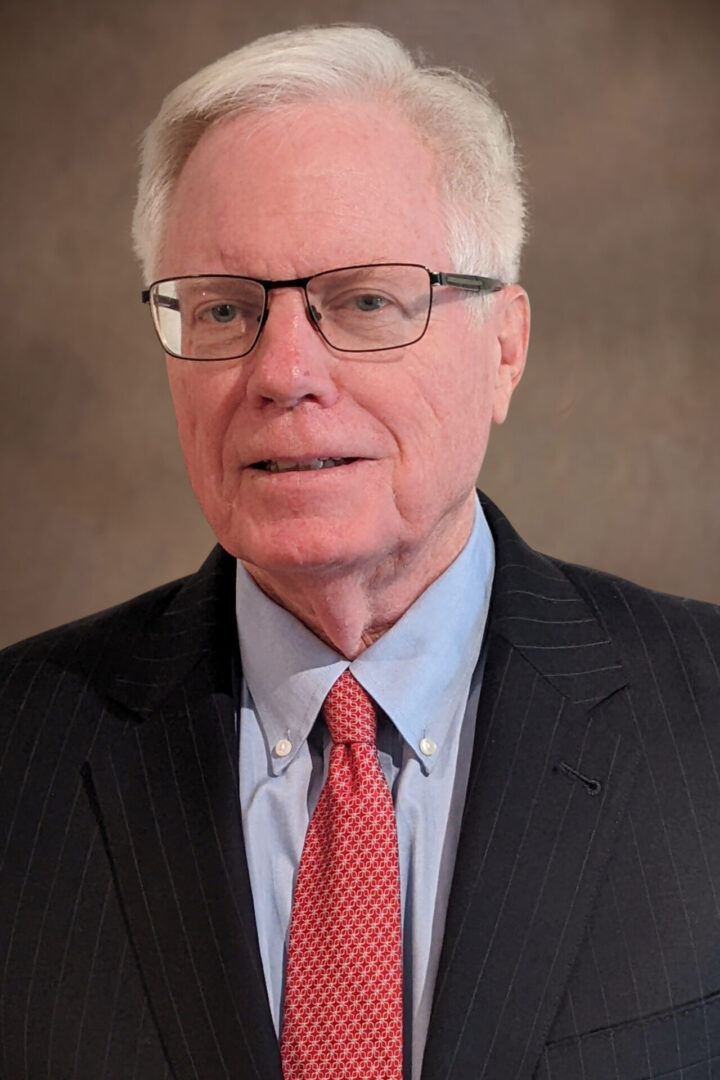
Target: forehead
303, 189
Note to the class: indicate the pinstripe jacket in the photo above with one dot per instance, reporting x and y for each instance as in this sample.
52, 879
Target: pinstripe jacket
583, 931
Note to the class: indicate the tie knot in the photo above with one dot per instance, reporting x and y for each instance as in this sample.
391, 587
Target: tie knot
349, 712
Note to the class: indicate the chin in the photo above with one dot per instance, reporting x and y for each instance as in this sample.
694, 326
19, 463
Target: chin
306, 547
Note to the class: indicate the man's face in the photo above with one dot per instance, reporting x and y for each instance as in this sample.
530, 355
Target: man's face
287, 195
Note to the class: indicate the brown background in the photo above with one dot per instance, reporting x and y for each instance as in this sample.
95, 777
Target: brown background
610, 456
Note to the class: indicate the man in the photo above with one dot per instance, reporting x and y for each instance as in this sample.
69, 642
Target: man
331, 237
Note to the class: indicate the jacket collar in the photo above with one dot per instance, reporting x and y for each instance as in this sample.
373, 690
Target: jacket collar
189, 627
538, 608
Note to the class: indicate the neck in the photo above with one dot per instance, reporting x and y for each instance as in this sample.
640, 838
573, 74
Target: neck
350, 609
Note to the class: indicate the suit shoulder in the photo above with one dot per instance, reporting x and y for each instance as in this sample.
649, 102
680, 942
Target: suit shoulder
653, 627
82, 643
611, 590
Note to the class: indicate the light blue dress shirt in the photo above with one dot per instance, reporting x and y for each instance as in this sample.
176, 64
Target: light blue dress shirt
425, 674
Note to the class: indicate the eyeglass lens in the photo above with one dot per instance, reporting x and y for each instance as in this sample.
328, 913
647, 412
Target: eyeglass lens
358, 309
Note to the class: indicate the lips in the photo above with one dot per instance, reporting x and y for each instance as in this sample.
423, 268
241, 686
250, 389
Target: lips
281, 465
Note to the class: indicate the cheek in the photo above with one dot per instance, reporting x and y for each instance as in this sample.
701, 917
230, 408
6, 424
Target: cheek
201, 413
444, 424
203, 404
468, 400
185, 415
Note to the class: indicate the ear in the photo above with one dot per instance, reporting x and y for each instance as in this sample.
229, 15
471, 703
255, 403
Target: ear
512, 327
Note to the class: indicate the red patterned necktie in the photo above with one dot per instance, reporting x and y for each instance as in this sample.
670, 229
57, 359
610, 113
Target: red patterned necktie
343, 986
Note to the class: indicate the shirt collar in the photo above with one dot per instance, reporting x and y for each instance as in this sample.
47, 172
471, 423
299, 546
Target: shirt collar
418, 672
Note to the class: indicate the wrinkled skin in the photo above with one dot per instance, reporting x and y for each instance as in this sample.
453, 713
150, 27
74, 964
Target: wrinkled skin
289, 194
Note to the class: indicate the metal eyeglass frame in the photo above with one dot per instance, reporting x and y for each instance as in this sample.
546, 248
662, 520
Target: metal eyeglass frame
469, 282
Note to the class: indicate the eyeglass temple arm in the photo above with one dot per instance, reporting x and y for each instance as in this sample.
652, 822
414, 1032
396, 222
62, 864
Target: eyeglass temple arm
160, 300
471, 282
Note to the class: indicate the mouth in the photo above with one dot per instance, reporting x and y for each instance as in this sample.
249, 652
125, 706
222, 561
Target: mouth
281, 465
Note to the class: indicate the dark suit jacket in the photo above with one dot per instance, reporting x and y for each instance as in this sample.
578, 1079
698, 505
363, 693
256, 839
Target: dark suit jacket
583, 930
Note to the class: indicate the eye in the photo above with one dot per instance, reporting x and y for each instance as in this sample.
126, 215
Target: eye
221, 313
370, 302
356, 302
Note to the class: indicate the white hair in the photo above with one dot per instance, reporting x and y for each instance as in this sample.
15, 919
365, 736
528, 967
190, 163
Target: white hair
478, 173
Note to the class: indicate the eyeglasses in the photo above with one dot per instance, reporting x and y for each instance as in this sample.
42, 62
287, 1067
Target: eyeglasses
356, 309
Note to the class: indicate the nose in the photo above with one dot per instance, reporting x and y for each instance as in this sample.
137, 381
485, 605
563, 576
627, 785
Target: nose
291, 363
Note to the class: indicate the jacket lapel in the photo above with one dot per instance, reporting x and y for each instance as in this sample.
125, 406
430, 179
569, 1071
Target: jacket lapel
166, 794
551, 771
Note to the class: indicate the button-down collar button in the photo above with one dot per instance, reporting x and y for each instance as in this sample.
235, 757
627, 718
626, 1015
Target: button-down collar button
282, 747
427, 747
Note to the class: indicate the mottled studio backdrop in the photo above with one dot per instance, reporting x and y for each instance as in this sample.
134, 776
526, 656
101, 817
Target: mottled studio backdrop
610, 456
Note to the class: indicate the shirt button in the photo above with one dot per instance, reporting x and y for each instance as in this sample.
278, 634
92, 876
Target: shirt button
427, 747
283, 747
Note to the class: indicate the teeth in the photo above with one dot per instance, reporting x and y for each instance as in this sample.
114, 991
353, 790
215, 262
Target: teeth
285, 465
